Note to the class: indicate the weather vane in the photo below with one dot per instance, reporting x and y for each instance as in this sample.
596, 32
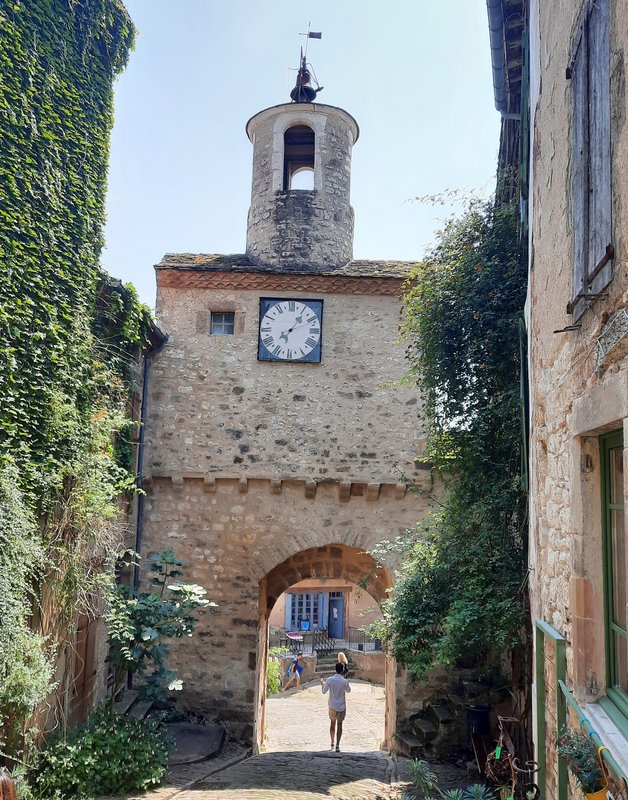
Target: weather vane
303, 91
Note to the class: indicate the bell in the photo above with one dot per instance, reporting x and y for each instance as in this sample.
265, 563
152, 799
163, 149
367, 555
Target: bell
304, 92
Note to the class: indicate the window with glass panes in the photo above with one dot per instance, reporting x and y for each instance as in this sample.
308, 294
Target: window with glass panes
616, 569
304, 606
222, 323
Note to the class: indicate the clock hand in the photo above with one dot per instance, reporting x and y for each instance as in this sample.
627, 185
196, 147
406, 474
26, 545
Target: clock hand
296, 327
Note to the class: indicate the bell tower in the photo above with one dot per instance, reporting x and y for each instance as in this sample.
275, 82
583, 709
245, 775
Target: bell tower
300, 215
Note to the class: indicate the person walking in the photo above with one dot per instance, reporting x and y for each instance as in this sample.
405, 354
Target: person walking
342, 659
338, 687
294, 672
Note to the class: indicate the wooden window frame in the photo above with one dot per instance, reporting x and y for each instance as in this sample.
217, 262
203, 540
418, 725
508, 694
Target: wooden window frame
589, 72
305, 605
616, 701
222, 323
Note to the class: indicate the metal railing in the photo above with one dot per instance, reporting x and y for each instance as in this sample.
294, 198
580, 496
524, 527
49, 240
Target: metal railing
359, 639
305, 642
564, 697
323, 642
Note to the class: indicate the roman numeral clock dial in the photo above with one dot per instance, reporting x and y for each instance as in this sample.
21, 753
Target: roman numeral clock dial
290, 330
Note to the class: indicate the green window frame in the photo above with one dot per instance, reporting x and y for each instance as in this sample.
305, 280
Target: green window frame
615, 577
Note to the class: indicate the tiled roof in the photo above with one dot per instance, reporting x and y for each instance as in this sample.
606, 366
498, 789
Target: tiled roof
208, 262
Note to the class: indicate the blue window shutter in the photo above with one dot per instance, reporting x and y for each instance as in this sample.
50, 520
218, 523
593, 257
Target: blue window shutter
599, 143
288, 611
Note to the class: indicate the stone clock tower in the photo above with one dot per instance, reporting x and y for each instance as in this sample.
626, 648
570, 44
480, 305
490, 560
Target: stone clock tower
279, 445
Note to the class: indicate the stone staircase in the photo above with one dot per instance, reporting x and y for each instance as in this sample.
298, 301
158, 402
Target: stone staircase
437, 726
442, 726
326, 664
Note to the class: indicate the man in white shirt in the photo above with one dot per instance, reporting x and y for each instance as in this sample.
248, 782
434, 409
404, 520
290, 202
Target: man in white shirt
337, 686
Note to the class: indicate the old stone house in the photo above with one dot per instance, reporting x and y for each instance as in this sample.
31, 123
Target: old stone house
279, 446
572, 110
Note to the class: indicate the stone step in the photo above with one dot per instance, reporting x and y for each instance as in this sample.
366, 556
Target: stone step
140, 709
424, 729
457, 703
440, 713
408, 745
330, 663
125, 702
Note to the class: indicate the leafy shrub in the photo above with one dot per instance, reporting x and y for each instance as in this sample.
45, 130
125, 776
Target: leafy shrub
140, 625
108, 755
273, 671
462, 326
25, 670
424, 782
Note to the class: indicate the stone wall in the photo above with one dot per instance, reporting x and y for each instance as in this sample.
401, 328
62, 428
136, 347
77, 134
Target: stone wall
579, 376
260, 475
216, 410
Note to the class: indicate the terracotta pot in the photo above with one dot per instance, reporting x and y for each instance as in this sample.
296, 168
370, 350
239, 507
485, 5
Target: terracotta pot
599, 795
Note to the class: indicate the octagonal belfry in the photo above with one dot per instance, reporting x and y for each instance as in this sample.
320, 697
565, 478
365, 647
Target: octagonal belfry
300, 211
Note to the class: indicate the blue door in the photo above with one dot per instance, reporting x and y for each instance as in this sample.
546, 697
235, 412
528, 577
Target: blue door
337, 617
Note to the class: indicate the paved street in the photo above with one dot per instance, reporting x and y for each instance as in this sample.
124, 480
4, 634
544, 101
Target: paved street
299, 721
297, 763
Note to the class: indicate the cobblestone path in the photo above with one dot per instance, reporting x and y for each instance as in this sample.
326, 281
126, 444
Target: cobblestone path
301, 776
297, 763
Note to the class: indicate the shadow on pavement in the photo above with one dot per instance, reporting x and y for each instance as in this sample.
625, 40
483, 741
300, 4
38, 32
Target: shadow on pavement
302, 771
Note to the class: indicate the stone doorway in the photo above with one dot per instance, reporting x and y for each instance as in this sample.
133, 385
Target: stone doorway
334, 562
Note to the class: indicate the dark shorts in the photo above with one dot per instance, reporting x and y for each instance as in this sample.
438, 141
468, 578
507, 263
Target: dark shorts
337, 715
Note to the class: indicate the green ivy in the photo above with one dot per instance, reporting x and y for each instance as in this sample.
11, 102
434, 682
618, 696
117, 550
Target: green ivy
69, 335
25, 666
58, 60
460, 596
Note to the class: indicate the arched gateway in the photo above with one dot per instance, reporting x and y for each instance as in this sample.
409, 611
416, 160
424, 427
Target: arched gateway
278, 442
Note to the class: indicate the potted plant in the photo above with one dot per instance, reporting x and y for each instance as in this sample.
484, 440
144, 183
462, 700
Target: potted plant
584, 762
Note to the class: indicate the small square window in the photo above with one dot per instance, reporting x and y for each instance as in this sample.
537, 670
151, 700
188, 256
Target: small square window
222, 323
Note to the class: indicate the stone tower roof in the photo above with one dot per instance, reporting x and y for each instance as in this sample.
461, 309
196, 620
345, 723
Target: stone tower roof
217, 262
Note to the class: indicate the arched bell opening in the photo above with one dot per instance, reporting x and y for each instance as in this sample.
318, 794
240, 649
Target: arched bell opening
338, 575
298, 158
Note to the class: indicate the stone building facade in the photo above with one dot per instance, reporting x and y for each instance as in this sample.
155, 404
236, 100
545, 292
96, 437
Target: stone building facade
274, 455
559, 78
578, 361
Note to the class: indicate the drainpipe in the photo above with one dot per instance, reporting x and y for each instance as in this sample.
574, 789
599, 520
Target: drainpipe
139, 522
498, 57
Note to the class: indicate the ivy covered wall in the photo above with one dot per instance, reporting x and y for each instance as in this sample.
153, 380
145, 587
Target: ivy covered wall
69, 338
58, 60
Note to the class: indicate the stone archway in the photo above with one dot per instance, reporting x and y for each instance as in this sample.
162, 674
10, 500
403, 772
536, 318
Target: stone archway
328, 561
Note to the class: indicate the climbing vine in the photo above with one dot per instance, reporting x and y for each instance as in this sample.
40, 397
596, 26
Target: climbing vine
58, 59
69, 337
461, 595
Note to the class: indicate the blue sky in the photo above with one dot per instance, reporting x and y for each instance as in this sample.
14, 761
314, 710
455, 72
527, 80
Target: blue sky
415, 74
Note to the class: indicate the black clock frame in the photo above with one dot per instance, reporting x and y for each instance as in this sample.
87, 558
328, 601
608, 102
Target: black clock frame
264, 354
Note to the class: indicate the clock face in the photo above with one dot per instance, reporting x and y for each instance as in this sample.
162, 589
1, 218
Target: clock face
290, 330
